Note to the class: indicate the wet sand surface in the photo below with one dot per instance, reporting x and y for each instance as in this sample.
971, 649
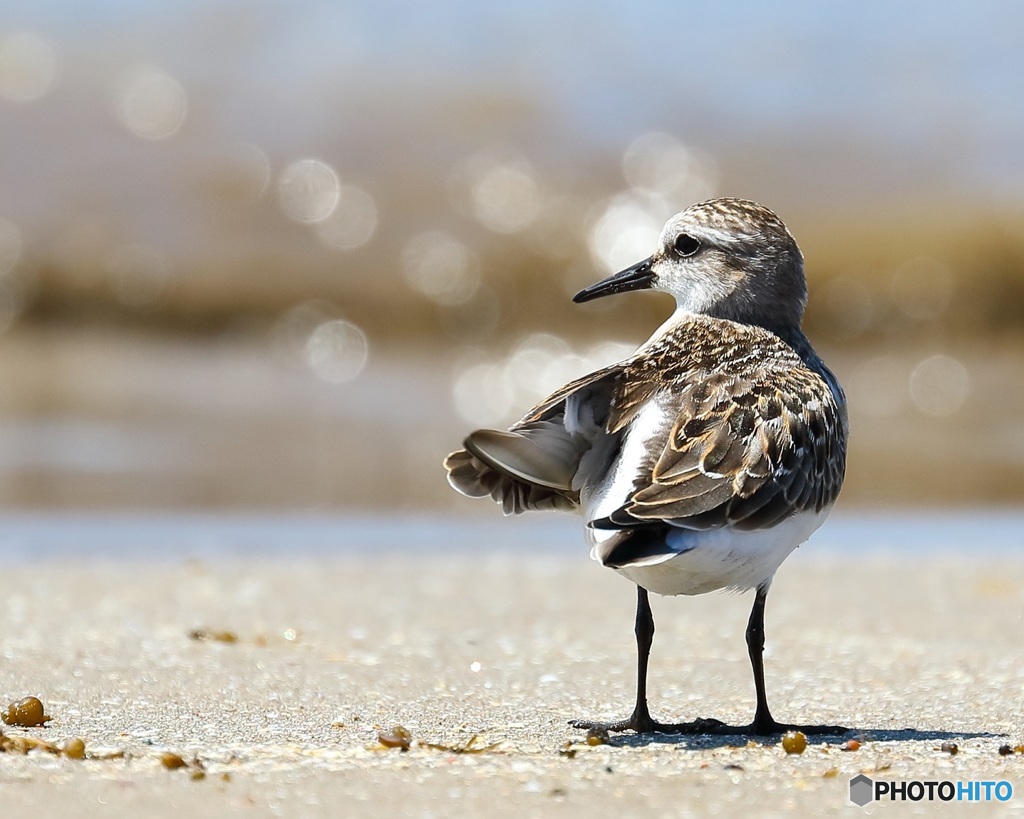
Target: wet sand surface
497, 648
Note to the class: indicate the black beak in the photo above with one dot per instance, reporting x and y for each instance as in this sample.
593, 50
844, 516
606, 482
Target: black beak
638, 277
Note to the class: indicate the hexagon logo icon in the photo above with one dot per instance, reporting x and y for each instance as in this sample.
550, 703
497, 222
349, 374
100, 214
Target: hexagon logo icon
862, 790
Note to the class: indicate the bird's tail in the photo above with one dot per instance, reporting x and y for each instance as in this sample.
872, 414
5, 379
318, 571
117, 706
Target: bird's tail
476, 475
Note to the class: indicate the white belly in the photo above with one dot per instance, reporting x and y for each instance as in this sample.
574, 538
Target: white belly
724, 558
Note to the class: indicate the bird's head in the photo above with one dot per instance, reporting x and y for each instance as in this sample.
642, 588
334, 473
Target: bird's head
728, 258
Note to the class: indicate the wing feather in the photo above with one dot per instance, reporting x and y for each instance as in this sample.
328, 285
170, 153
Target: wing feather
759, 434
748, 449
532, 466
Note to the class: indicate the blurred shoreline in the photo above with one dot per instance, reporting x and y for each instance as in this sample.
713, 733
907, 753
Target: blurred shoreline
110, 419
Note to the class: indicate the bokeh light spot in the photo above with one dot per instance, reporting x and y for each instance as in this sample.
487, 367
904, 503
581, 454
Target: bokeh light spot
151, 103
939, 385
529, 366
482, 394
309, 190
28, 67
499, 188
441, 267
293, 328
658, 163
559, 231
505, 198
491, 392
353, 222
626, 231
337, 351
603, 353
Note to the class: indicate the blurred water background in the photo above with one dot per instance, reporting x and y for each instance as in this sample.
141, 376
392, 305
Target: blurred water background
273, 255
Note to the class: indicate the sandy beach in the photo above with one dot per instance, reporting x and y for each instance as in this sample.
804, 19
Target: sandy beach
273, 676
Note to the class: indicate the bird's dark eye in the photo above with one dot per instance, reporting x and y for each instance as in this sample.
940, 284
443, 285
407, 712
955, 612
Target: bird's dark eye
686, 245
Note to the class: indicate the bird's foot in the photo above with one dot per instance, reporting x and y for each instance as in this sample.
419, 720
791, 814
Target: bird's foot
643, 724
769, 727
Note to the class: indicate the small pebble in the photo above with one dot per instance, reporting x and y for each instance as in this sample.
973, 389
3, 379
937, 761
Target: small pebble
794, 742
75, 748
220, 636
1005, 750
597, 736
397, 737
25, 713
171, 760
950, 748
850, 745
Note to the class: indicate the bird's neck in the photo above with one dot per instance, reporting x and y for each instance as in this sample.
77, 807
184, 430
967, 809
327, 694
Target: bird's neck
786, 330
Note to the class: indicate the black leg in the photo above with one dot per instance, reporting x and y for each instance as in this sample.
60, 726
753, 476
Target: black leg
763, 722
763, 725
644, 630
640, 720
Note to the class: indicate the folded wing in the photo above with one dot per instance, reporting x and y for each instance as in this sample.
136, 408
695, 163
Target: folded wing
744, 451
534, 465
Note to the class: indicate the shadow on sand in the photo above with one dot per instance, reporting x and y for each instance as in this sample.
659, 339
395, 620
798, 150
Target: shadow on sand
710, 741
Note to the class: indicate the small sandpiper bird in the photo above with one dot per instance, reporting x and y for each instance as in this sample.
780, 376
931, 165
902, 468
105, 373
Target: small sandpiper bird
702, 461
